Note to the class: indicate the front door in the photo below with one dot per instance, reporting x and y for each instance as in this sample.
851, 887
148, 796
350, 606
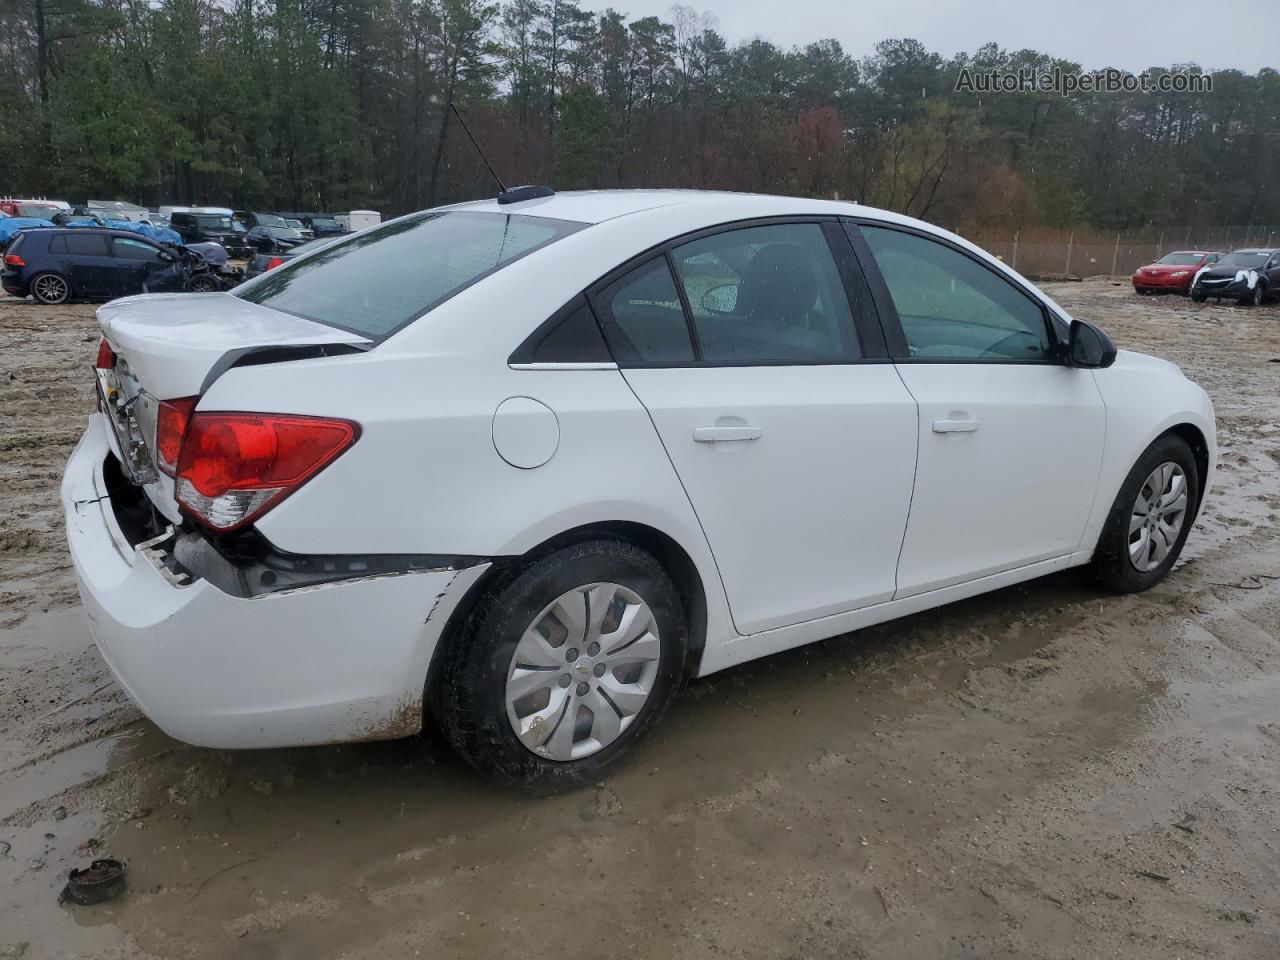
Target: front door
135, 261
793, 436
1010, 438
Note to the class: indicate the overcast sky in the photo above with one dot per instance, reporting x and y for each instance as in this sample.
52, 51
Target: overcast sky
1131, 34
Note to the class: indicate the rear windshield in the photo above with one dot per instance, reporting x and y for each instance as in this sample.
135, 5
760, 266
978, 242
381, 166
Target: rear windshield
376, 282
42, 210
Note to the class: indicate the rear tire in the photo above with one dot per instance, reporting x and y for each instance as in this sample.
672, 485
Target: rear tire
50, 288
1140, 541
491, 680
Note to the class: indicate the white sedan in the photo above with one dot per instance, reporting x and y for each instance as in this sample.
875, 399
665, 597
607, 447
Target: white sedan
525, 465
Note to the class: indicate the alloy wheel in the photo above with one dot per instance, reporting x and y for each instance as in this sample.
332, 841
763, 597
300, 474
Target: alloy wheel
50, 288
1158, 513
582, 671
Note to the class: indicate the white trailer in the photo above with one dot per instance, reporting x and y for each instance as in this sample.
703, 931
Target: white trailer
358, 219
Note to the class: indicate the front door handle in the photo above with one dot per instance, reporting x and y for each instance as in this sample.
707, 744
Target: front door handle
719, 434
955, 426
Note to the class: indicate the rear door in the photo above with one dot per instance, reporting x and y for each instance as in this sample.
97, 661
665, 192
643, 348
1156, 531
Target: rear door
86, 259
1011, 438
756, 350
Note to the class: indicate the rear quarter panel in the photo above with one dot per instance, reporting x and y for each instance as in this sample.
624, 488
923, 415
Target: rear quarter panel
425, 476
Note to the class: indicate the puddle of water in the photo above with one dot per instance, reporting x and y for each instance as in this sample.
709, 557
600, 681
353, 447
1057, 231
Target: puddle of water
54, 633
81, 765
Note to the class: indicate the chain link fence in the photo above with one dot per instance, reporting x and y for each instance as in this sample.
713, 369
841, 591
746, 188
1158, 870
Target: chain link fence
1084, 253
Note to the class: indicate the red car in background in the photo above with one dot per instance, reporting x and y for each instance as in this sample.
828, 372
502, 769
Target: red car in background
1173, 272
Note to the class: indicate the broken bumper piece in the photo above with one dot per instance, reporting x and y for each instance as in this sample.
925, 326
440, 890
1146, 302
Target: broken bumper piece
324, 663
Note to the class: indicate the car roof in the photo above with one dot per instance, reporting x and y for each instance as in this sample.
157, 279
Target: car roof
597, 206
1256, 250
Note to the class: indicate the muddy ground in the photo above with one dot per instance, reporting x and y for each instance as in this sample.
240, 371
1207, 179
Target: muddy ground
1046, 771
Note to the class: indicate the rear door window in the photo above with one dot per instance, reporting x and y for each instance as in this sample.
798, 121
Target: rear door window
85, 244
769, 294
376, 282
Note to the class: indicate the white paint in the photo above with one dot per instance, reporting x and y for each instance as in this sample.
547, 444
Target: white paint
803, 523
525, 432
1013, 491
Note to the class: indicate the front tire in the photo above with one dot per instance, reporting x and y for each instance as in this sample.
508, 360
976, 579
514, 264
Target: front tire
204, 283
1254, 297
563, 667
50, 288
1144, 533
1197, 296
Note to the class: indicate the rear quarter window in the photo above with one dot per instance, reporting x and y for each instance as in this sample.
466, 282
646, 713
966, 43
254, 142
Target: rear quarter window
376, 282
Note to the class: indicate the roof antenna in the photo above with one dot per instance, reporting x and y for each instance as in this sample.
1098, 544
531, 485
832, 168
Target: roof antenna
506, 194
493, 173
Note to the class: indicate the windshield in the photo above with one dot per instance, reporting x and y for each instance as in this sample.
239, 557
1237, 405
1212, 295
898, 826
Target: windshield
284, 233
1181, 259
42, 210
323, 222
376, 282
1246, 259
296, 224
269, 220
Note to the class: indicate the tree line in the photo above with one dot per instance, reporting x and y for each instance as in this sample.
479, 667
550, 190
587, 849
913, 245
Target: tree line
338, 104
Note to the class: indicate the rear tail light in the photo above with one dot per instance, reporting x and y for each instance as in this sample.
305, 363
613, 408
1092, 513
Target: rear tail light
106, 356
234, 467
13, 260
273, 263
172, 417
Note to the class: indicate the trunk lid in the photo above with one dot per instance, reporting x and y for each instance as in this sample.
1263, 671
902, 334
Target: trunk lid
174, 345
173, 342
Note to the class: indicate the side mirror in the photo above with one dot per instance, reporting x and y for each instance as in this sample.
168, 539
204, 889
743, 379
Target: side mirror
1087, 346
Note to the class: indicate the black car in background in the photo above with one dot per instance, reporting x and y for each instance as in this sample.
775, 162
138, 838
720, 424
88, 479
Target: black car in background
324, 226
57, 264
210, 228
262, 262
272, 239
272, 222
1248, 276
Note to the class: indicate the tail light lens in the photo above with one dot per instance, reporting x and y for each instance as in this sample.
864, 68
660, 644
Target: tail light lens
234, 467
273, 263
172, 417
106, 356
13, 260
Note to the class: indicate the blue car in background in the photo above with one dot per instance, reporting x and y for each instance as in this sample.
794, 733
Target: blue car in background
57, 264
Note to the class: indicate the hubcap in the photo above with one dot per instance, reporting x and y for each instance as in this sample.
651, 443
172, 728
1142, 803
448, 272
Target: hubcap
1159, 512
50, 288
582, 671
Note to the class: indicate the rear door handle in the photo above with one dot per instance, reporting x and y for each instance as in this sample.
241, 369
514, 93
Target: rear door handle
955, 426
718, 434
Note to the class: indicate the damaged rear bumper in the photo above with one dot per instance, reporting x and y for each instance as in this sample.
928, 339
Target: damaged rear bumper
322, 663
